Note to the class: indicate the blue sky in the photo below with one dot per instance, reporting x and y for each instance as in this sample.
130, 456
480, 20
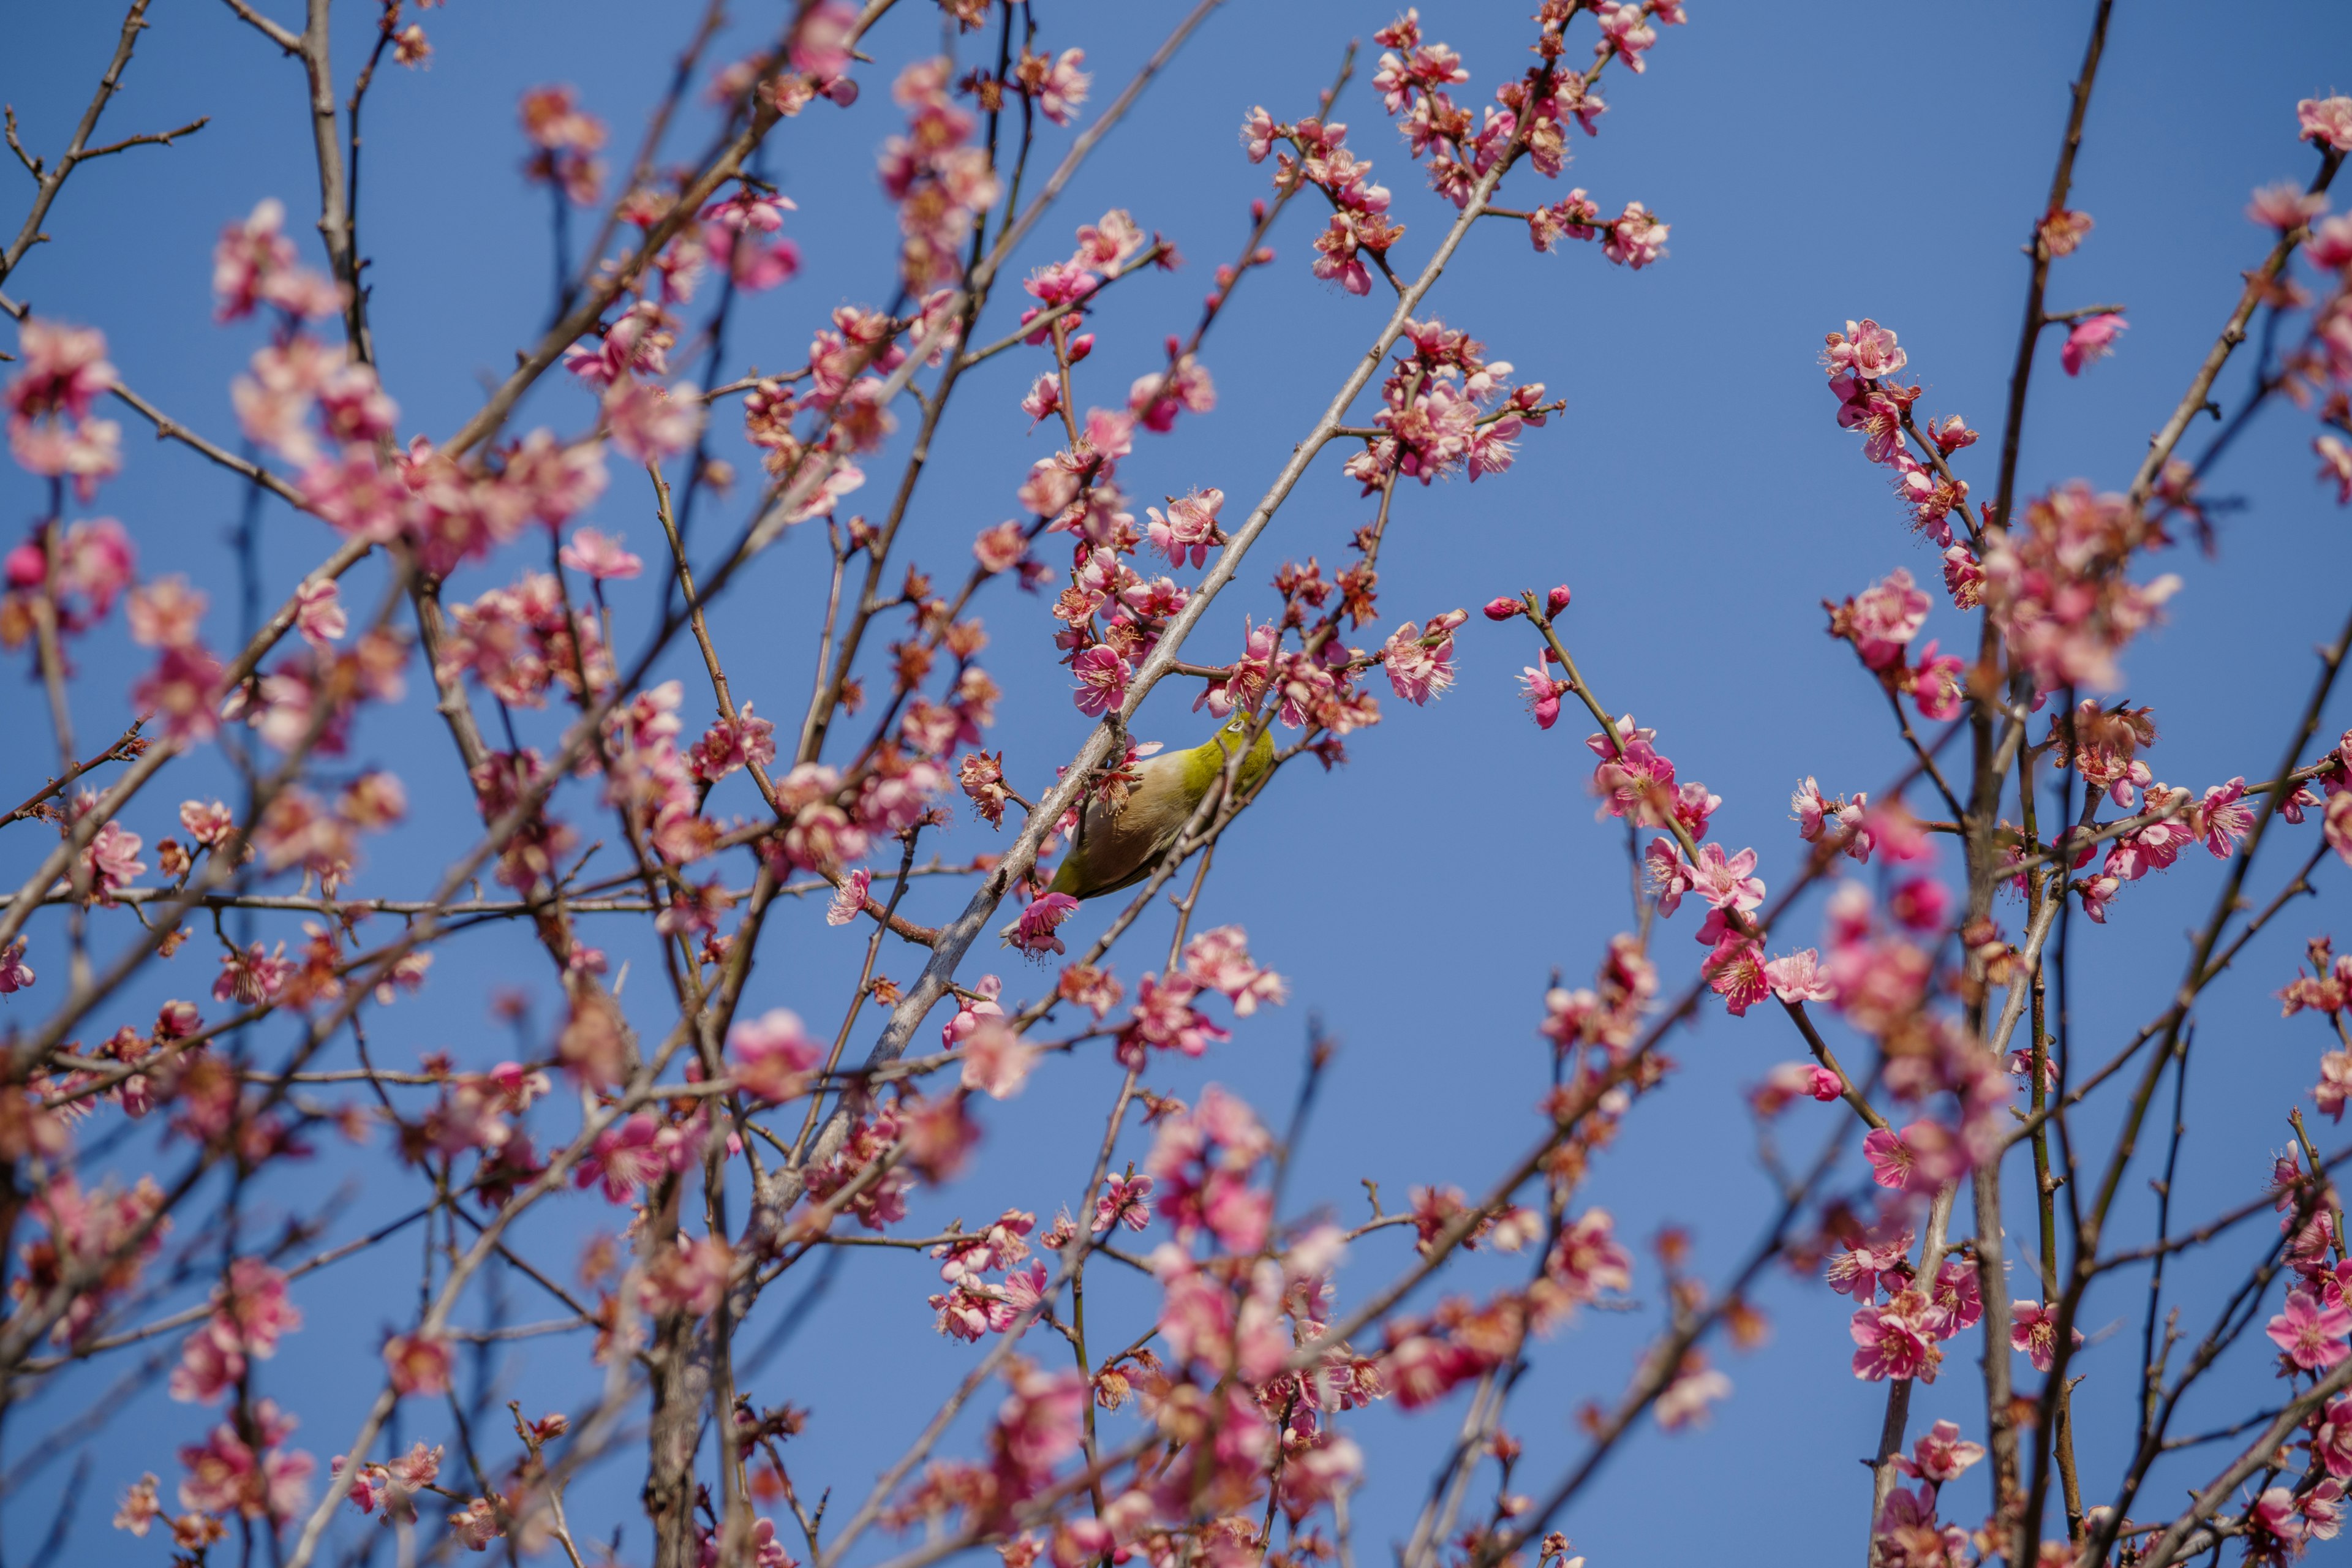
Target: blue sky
1816, 164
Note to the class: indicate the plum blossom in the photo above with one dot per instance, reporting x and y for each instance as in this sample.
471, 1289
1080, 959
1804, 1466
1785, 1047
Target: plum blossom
1893, 1342
1102, 679
773, 1054
2285, 207
2327, 120
2312, 1331
599, 555
1542, 691
1188, 528
2033, 1328
1034, 932
1798, 977
2092, 339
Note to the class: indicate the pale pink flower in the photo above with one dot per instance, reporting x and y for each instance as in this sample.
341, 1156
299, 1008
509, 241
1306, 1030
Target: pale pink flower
773, 1054
110, 862
726, 747
2285, 206
650, 423
1921, 1158
320, 616
1057, 88
996, 1061
2335, 463
1636, 239
1884, 617
600, 555
1799, 977
1940, 1456
2092, 339
1418, 672
1696, 1386
848, 901
418, 1364
1865, 350
2327, 120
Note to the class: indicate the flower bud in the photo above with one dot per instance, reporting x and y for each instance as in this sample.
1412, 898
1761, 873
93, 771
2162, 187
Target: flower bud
1557, 602
1503, 608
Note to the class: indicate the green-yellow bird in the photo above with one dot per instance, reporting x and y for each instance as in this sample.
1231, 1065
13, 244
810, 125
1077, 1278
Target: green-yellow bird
1117, 850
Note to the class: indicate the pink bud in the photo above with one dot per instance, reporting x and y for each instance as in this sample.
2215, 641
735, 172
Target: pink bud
1557, 602
1081, 346
1263, 256
842, 90
1503, 608
27, 565
1175, 344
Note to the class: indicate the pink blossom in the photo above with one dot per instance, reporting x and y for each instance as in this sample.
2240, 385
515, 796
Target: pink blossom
2033, 1328
1856, 1272
1894, 1344
2093, 338
624, 1158
16, 974
1219, 960
1542, 693
773, 1055
1188, 528
2285, 207
2327, 120
419, 1364
1735, 972
1034, 932
996, 1061
725, 747
1418, 672
1798, 977
320, 618
110, 862
1125, 1201
650, 423
1939, 1456
1864, 350
600, 555
1920, 1159
1727, 884
2335, 463
1637, 238
848, 900
2310, 1332
1883, 619
1102, 679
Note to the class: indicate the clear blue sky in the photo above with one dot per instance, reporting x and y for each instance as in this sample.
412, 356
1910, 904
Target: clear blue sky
1816, 163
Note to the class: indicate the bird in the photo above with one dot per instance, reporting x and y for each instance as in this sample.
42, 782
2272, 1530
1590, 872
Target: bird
1118, 847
